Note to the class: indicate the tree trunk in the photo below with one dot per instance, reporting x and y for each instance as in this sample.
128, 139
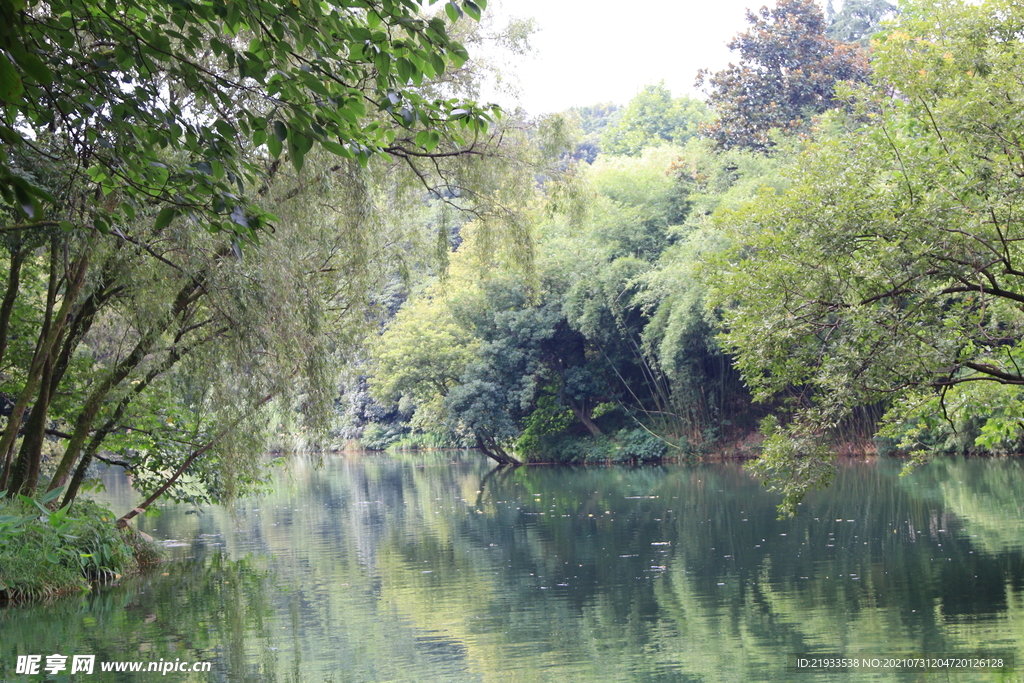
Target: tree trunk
495, 452
35, 372
10, 296
25, 475
83, 425
583, 414
175, 354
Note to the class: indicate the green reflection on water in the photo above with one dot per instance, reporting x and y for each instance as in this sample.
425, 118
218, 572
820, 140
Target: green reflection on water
437, 568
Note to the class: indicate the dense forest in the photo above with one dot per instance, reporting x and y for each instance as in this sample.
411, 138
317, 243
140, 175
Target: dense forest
233, 227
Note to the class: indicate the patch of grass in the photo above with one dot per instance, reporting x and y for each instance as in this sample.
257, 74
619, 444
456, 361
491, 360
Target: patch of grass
44, 553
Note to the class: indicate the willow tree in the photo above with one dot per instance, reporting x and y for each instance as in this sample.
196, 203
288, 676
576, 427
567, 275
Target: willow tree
140, 176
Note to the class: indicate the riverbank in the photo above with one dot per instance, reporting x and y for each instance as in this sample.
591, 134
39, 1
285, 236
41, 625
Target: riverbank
46, 553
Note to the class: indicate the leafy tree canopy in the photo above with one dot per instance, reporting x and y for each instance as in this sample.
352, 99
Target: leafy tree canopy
160, 104
891, 269
858, 20
787, 72
653, 117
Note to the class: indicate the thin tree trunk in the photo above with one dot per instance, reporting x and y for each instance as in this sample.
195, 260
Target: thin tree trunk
83, 425
71, 291
176, 354
13, 475
27, 466
25, 475
10, 296
583, 415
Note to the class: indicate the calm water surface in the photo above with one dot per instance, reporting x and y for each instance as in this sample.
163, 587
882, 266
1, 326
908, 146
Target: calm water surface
436, 568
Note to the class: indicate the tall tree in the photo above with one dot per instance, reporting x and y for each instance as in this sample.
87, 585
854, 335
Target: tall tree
891, 270
653, 117
787, 72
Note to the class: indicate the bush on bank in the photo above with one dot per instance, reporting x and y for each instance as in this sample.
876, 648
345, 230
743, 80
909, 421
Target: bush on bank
45, 553
625, 446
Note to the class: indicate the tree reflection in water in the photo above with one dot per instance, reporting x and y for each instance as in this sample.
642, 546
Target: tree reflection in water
435, 567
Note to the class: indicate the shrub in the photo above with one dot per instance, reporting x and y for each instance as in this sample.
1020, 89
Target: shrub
640, 444
45, 553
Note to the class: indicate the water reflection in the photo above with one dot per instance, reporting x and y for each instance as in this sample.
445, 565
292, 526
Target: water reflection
437, 568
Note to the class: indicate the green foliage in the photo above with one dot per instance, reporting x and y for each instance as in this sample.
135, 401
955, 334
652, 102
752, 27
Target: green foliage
548, 418
653, 117
573, 449
46, 552
793, 461
162, 105
592, 121
858, 20
416, 441
378, 437
889, 270
787, 72
611, 314
965, 419
635, 445
421, 355
640, 445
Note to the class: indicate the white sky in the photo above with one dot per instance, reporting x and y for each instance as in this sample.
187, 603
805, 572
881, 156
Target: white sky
593, 51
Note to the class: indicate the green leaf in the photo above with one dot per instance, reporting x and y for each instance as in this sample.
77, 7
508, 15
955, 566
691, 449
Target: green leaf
280, 131
11, 86
405, 69
453, 11
437, 61
164, 218
298, 145
51, 496
274, 146
433, 140
335, 148
26, 202
472, 9
458, 56
32, 65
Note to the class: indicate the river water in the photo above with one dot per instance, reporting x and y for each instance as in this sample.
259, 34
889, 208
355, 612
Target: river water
435, 567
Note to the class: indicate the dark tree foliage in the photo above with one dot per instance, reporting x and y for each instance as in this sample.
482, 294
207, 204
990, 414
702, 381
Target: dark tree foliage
787, 72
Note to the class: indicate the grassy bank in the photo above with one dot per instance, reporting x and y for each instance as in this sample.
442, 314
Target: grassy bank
45, 553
